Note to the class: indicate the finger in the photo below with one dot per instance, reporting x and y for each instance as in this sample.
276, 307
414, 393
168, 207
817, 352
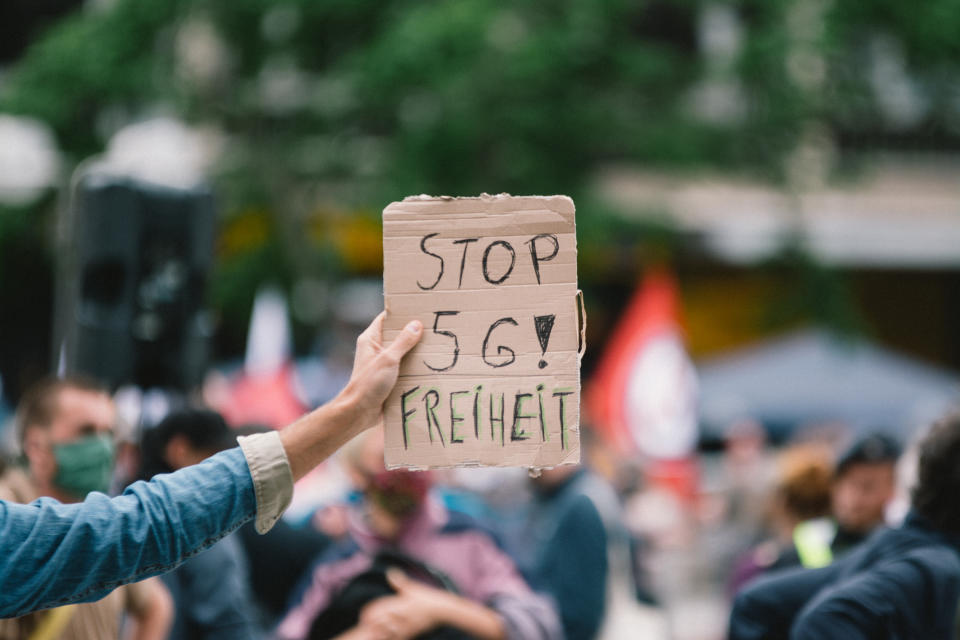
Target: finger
368, 343
374, 332
398, 580
405, 340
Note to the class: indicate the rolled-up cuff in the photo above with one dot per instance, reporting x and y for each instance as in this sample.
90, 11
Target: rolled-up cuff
272, 478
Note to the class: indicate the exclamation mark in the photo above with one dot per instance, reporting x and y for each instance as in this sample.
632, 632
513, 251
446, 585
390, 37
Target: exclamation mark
544, 325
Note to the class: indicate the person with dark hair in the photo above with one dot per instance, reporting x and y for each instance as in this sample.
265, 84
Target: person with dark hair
863, 485
864, 481
860, 486
183, 438
211, 591
55, 554
901, 583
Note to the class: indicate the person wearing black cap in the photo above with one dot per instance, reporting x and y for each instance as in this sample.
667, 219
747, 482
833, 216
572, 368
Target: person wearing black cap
900, 584
211, 591
864, 482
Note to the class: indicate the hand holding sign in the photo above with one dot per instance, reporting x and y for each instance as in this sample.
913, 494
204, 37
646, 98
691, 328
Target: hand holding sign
496, 378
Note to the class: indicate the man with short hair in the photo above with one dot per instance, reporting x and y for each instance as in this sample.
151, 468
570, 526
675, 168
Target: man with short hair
66, 435
901, 583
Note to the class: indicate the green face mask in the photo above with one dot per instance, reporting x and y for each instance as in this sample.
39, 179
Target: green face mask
84, 465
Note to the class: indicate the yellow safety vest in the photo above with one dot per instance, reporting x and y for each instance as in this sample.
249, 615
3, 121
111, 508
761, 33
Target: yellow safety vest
812, 540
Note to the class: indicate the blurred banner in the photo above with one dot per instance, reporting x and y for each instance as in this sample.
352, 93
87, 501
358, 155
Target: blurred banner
643, 394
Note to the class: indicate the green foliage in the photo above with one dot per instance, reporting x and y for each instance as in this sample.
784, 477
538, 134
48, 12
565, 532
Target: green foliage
88, 63
468, 95
360, 102
928, 32
462, 96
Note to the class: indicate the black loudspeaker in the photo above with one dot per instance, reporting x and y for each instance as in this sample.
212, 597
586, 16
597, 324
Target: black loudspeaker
133, 285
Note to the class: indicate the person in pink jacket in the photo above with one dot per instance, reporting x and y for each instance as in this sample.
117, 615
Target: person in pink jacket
456, 579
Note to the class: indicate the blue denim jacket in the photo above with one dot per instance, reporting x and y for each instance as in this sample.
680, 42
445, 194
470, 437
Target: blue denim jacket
56, 553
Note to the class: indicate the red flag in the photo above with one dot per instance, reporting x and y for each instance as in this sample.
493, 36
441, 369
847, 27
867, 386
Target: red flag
643, 394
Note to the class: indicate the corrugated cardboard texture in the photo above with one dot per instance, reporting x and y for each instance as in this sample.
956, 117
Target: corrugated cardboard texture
495, 381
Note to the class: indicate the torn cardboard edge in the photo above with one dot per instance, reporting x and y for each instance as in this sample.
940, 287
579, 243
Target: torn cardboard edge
482, 213
483, 196
491, 203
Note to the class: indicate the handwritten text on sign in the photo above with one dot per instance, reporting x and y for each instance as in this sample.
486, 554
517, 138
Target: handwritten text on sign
496, 378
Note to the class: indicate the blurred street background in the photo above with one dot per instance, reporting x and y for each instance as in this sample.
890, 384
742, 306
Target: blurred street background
768, 213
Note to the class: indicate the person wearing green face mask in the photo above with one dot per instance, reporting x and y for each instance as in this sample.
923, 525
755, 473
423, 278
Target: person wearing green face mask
66, 434
84, 465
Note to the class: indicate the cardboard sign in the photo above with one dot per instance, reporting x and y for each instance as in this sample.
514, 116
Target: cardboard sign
495, 380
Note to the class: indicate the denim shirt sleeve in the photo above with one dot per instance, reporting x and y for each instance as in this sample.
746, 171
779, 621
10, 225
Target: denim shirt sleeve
56, 553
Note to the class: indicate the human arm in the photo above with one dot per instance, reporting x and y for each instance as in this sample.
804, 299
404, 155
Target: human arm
152, 613
61, 553
417, 608
314, 437
55, 554
496, 595
766, 608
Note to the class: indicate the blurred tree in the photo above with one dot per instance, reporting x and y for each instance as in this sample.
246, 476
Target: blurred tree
393, 97
21, 20
348, 104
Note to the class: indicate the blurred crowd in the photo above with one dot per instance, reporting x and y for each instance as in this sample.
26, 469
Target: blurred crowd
436, 558
612, 548
793, 162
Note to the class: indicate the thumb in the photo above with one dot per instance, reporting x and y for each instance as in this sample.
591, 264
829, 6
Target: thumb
405, 340
398, 580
